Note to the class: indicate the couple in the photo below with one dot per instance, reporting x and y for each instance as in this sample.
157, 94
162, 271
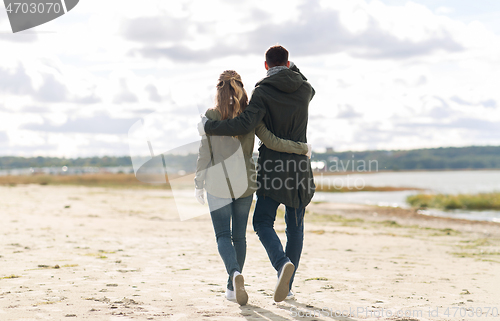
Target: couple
277, 113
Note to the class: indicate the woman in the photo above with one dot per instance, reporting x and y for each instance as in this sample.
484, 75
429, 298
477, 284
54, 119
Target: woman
226, 199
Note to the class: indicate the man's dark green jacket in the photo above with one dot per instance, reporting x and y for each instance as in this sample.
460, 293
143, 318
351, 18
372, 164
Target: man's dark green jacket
282, 102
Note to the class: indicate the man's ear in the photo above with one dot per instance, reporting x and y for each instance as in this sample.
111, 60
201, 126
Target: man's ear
266, 65
288, 64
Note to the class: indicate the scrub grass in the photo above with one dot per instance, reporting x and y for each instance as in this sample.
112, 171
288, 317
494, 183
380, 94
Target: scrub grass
90, 180
482, 201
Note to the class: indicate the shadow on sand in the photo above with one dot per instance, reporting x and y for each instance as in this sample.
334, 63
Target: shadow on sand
295, 311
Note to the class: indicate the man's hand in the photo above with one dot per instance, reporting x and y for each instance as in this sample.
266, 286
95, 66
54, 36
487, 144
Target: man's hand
199, 193
309, 150
201, 125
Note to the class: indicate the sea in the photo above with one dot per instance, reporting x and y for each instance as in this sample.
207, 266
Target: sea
446, 182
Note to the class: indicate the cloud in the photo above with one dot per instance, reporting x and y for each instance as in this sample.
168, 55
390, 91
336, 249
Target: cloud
20, 150
4, 138
144, 112
98, 124
441, 111
87, 100
51, 90
96, 147
153, 93
372, 136
460, 101
348, 112
393, 54
35, 109
474, 124
259, 15
185, 54
422, 80
125, 95
19, 37
490, 103
149, 30
444, 10
17, 83
318, 31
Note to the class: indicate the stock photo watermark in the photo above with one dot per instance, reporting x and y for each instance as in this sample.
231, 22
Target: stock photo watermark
365, 312
336, 165
26, 14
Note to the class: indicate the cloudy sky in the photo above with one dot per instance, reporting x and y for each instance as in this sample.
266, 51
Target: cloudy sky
389, 74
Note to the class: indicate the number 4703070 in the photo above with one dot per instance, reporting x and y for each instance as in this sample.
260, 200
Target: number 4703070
23, 7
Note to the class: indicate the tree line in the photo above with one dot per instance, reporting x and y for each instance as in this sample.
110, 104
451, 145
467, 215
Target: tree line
443, 158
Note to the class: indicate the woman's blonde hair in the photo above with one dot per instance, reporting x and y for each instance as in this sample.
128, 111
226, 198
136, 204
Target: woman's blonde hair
231, 99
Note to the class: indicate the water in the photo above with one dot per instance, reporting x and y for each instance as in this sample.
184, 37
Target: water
451, 182
447, 182
394, 199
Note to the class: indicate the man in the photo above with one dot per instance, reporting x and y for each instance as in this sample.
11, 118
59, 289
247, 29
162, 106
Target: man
281, 100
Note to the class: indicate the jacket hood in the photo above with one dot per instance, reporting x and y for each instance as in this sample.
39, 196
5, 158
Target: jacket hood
286, 80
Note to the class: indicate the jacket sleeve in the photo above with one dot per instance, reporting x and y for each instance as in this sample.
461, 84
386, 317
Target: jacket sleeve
278, 144
241, 125
203, 162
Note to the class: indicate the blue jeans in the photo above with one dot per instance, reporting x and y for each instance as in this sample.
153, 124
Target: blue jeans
263, 223
231, 240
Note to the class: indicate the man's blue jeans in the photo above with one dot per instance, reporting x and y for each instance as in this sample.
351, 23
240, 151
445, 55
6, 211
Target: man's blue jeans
231, 240
263, 223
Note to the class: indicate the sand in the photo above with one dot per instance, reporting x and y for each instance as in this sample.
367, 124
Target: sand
119, 254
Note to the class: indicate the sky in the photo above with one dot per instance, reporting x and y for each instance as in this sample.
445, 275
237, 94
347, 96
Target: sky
389, 74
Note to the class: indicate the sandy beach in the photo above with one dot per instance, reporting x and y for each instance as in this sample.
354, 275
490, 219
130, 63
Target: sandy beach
70, 252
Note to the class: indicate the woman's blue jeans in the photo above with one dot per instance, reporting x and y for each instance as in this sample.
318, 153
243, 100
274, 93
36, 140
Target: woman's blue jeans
231, 238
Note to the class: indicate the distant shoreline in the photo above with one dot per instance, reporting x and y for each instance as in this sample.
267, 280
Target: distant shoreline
425, 159
408, 171
314, 172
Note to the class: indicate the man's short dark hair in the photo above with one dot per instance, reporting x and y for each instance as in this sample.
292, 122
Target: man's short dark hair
276, 56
